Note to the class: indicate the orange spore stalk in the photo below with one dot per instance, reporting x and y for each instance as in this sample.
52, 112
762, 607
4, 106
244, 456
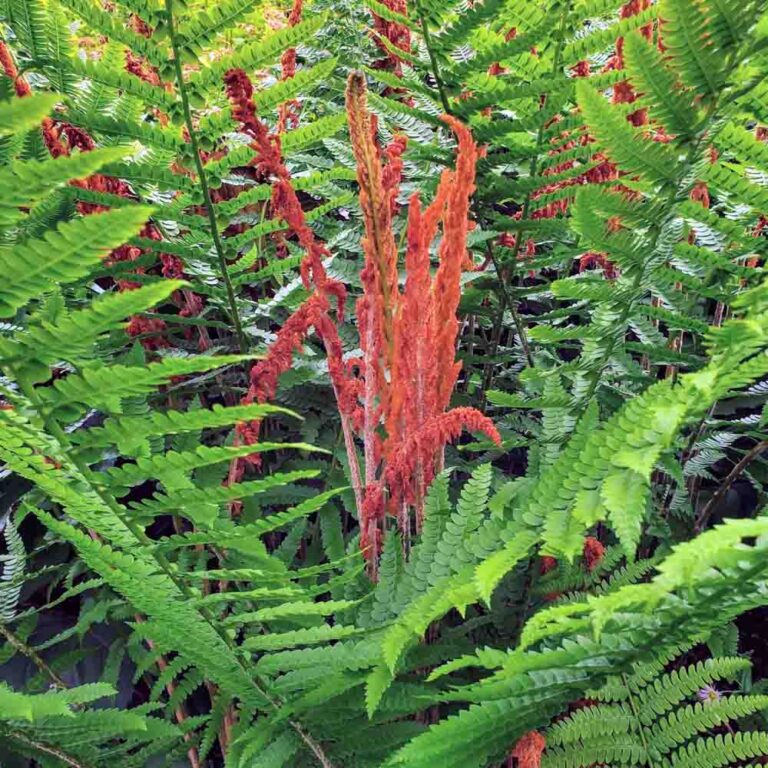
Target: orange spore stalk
408, 336
394, 398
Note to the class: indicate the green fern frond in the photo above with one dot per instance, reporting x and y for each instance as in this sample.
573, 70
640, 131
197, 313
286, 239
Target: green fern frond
29, 181
199, 30
254, 55
25, 114
195, 498
130, 431
649, 74
298, 637
72, 337
66, 254
302, 83
175, 462
624, 144
13, 566
106, 387
691, 47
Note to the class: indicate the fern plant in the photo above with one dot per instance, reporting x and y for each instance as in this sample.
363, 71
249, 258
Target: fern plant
179, 189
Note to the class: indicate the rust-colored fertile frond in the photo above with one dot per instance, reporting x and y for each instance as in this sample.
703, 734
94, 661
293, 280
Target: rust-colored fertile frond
592, 259
408, 335
289, 111
21, 86
379, 247
594, 552
294, 17
372, 516
239, 92
415, 367
140, 27
52, 138
288, 59
150, 331
265, 375
413, 370
547, 564
377, 306
424, 446
284, 202
453, 258
528, 750
290, 338
392, 169
77, 138
139, 67
286, 206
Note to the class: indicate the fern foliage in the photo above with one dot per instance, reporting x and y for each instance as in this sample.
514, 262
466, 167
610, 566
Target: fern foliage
184, 459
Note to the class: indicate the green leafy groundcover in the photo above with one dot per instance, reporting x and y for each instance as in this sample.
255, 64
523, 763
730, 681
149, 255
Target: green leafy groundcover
231, 534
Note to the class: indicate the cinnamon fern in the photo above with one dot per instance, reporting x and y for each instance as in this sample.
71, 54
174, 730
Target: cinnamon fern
383, 384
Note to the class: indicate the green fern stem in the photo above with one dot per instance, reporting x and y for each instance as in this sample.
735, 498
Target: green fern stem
506, 298
204, 188
636, 715
705, 133
734, 474
507, 301
636, 287
47, 749
427, 35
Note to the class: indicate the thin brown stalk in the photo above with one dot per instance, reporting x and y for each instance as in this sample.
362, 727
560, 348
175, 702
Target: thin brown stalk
31, 654
47, 749
734, 474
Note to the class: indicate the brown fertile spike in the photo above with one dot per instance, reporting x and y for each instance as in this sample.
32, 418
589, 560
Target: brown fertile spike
425, 444
397, 35
453, 254
528, 750
379, 242
289, 111
408, 335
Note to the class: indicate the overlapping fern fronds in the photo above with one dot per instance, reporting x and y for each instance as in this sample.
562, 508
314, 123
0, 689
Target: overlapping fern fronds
180, 199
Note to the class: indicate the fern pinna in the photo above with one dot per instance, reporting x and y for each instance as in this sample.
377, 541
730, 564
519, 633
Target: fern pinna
650, 716
263, 267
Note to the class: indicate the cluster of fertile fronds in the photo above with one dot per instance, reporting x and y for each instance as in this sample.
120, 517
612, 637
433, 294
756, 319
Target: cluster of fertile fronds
407, 372
408, 337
